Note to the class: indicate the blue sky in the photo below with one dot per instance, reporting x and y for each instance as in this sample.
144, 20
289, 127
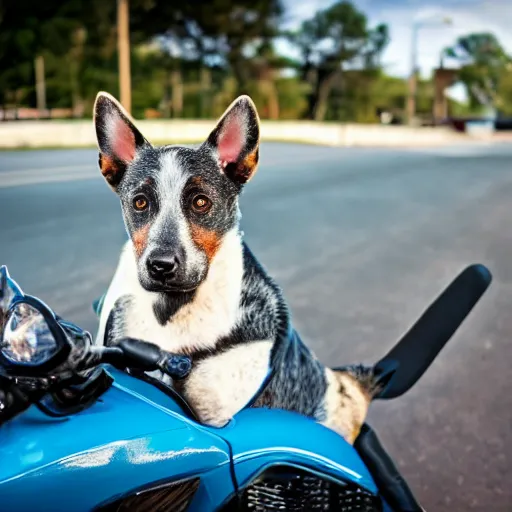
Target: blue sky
467, 15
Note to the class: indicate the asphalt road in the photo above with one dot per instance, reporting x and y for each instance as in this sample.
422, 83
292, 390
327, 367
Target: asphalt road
362, 241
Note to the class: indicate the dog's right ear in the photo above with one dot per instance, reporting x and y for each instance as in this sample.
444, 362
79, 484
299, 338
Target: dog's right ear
118, 139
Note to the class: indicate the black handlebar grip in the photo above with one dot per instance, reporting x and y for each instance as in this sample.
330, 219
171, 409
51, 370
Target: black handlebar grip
147, 356
140, 354
420, 345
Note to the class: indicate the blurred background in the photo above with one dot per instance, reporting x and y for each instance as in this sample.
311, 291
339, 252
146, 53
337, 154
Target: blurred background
364, 61
410, 180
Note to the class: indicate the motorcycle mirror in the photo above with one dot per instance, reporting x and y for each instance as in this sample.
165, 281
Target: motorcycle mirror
31, 342
27, 338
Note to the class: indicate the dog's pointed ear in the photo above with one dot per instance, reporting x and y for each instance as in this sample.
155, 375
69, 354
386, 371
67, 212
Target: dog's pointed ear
235, 140
118, 139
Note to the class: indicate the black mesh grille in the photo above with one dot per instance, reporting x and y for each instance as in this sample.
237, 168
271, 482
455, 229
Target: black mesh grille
294, 490
174, 497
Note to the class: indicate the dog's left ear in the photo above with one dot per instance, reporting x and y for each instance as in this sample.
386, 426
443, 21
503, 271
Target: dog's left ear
236, 139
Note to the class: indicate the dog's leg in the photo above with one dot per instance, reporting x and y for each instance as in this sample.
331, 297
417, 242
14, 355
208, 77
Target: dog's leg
222, 384
346, 403
338, 399
350, 390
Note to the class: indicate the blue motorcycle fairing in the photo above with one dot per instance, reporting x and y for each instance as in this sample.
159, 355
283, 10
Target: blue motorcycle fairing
278, 436
264, 437
122, 443
136, 437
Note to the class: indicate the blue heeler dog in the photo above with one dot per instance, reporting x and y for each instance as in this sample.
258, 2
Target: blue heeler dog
187, 281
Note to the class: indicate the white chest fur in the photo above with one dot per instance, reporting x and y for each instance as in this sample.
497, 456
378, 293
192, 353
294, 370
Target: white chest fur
198, 325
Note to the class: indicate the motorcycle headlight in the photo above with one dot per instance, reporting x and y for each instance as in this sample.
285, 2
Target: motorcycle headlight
30, 342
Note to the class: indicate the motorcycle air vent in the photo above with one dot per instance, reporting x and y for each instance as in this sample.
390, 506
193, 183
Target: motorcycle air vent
170, 497
294, 490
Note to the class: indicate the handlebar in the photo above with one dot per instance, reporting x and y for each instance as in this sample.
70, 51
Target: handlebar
83, 380
137, 354
419, 346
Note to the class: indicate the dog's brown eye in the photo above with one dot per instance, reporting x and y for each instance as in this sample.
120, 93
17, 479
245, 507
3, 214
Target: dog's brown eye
140, 202
201, 203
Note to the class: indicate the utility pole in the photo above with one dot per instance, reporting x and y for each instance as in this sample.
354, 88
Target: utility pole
123, 47
40, 85
413, 78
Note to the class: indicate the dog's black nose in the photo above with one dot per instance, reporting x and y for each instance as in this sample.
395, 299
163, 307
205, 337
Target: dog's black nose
163, 266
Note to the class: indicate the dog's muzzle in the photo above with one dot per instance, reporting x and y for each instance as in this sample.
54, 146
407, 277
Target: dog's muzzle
165, 267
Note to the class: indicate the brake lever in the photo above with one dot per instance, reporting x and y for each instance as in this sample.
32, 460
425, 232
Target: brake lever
75, 394
13, 401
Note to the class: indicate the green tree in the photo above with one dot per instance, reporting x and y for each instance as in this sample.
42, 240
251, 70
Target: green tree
77, 40
24, 32
505, 92
218, 32
336, 39
484, 63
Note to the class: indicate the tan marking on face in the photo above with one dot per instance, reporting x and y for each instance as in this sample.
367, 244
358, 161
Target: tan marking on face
207, 241
140, 239
109, 169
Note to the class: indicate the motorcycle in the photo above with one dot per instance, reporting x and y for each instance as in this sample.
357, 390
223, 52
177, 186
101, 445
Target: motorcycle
86, 428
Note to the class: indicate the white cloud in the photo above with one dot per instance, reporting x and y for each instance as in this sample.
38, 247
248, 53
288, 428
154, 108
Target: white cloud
297, 11
457, 92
